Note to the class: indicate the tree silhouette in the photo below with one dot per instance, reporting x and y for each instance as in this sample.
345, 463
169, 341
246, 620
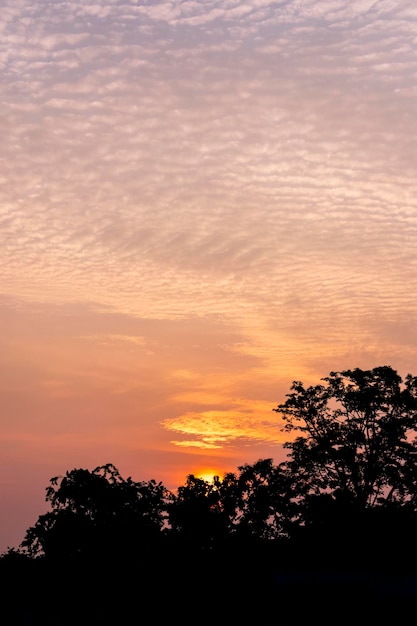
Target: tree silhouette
351, 469
97, 513
356, 436
196, 514
260, 498
246, 505
261, 545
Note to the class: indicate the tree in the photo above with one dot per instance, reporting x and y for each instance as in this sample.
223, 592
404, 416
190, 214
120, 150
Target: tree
97, 513
245, 507
354, 452
260, 497
196, 514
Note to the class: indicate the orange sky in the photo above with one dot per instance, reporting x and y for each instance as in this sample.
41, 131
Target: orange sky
199, 203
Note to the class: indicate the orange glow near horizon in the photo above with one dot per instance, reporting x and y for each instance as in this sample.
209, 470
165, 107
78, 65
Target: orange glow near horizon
208, 474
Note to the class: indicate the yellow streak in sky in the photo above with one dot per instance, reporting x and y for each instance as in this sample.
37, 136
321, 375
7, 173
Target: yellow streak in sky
217, 429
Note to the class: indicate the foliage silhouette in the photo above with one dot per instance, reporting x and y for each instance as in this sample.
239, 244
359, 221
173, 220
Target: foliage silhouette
351, 469
97, 513
196, 515
356, 437
337, 517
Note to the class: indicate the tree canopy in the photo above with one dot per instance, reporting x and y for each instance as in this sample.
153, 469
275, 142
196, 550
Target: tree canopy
97, 512
345, 495
356, 436
352, 448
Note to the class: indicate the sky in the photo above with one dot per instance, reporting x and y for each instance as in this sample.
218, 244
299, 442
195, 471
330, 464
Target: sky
200, 202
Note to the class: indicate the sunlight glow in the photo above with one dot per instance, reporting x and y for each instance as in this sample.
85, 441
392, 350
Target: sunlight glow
208, 475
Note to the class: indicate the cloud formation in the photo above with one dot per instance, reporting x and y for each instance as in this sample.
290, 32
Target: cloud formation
240, 425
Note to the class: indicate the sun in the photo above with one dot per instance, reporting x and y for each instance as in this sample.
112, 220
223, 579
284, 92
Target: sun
207, 474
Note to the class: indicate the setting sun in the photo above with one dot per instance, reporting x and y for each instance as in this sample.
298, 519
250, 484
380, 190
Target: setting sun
208, 475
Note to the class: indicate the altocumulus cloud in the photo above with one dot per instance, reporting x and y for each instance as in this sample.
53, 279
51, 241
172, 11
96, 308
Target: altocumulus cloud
253, 161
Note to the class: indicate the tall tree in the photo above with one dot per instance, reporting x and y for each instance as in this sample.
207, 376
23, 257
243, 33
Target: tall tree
355, 436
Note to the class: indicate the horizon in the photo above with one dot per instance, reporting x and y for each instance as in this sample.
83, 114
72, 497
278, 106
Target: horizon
201, 203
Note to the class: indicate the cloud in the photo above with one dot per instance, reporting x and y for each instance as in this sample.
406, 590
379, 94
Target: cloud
255, 163
239, 425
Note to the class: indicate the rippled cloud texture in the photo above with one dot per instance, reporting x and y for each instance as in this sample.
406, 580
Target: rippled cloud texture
199, 203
